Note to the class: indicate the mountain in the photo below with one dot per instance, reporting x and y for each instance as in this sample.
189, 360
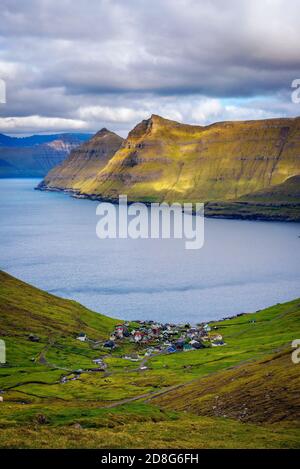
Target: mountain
34, 156
163, 160
280, 202
84, 162
244, 394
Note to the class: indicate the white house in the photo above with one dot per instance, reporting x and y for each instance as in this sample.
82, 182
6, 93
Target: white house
82, 337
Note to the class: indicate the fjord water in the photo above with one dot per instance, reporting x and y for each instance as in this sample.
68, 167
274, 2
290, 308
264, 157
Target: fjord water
49, 240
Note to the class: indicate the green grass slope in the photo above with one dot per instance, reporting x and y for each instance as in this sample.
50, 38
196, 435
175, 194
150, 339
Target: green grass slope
126, 407
27, 310
165, 160
264, 391
279, 202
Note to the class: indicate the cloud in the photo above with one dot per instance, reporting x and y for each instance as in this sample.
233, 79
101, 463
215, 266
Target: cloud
40, 123
115, 62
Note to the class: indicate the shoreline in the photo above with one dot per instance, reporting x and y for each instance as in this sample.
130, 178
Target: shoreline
210, 209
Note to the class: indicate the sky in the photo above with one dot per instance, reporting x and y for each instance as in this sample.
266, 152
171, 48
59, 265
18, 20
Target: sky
78, 66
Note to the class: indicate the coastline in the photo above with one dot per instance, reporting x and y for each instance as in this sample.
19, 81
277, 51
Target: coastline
228, 210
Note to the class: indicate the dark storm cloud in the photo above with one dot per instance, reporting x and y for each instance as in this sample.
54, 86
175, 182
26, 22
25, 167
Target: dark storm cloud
117, 61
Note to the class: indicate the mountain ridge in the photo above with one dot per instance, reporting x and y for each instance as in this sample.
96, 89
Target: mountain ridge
34, 156
163, 160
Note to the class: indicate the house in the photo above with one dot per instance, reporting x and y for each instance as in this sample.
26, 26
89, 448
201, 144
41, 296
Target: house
33, 338
137, 335
82, 337
187, 348
179, 344
196, 345
207, 328
216, 337
109, 344
171, 349
98, 361
218, 343
155, 329
119, 331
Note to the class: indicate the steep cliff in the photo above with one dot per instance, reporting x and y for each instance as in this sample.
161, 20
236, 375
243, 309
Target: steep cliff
165, 160
84, 163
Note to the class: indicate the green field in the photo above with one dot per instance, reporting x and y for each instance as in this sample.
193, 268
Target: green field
244, 394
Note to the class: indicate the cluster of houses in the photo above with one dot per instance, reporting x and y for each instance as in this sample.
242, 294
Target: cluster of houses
167, 338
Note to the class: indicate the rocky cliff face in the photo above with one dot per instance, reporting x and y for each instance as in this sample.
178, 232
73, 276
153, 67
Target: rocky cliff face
85, 162
165, 160
34, 156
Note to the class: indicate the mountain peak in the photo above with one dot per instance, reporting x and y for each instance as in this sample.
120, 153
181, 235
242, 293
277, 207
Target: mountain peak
146, 126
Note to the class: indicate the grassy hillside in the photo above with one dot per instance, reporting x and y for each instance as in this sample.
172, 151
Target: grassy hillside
25, 310
279, 202
165, 160
84, 162
264, 391
49, 402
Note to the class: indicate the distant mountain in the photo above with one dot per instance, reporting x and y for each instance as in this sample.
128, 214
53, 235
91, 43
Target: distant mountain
85, 161
163, 160
34, 156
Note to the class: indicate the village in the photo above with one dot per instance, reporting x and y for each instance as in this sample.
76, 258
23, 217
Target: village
149, 338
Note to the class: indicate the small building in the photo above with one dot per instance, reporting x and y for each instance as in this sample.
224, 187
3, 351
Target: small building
216, 337
109, 344
218, 343
137, 335
82, 337
171, 349
207, 328
187, 348
196, 345
98, 361
33, 338
179, 344
119, 331
155, 329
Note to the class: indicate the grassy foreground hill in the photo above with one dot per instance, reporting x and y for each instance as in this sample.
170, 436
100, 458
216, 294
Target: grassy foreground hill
244, 394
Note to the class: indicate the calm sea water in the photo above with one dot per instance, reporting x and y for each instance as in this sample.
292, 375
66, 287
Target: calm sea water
49, 240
